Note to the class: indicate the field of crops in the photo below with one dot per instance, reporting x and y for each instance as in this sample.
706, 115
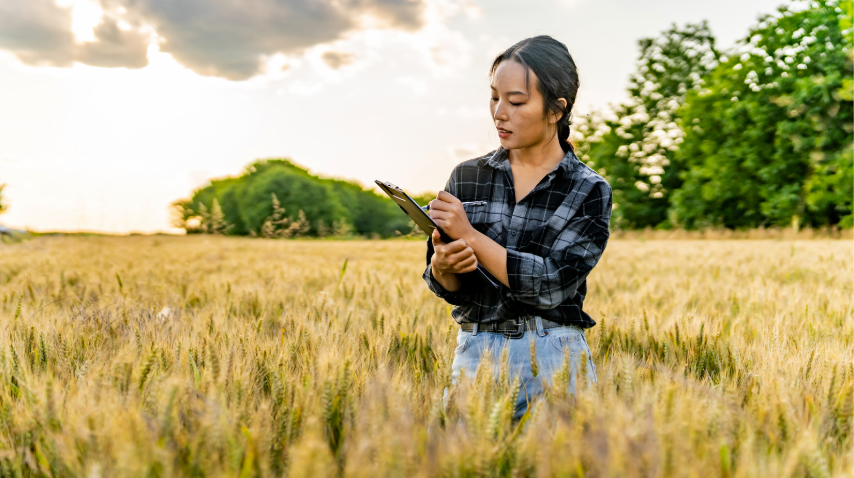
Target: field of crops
216, 356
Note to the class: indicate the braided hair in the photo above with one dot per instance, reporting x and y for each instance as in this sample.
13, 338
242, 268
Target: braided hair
550, 60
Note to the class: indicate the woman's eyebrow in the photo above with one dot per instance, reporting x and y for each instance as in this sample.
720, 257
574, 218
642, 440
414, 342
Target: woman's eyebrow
512, 92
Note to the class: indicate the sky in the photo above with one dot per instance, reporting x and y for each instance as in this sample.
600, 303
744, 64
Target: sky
110, 110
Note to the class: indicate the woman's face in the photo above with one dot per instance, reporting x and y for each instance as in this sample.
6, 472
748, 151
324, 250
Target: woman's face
517, 109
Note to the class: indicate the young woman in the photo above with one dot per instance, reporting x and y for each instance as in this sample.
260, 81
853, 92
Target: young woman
539, 227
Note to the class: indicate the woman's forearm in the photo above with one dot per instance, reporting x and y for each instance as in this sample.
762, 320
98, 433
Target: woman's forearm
492, 255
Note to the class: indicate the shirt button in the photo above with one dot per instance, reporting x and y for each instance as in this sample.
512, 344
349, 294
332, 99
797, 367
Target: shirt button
513, 232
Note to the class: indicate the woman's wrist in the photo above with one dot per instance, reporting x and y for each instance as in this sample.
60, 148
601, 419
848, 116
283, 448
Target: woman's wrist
448, 280
473, 239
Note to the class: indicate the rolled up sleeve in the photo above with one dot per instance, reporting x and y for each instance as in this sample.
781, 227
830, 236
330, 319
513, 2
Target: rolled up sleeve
546, 282
459, 297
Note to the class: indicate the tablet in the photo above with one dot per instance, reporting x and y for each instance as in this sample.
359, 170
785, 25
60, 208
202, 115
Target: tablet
425, 222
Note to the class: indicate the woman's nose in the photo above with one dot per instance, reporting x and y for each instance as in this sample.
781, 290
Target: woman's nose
499, 114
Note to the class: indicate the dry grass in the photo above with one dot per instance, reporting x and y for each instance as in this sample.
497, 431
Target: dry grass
203, 356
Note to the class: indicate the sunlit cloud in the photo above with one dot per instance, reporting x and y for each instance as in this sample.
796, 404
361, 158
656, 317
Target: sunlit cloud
85, 16
337, 59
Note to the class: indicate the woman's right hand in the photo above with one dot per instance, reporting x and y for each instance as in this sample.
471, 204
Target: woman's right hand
455, 257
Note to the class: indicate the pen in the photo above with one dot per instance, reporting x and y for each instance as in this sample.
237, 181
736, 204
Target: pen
465, 203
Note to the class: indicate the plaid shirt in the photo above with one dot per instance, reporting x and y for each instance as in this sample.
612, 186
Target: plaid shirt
553, 236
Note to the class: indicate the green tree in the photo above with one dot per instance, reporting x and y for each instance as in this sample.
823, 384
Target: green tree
277, 198
768, 138
295, 188
634, 146
189, 215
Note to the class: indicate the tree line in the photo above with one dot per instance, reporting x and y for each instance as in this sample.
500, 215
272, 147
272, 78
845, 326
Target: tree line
277, 198
759, 135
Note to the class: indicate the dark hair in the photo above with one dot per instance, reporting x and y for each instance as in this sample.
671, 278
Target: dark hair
550, 60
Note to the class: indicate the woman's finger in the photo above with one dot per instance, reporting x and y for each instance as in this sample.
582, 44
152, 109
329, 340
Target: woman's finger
453, 247
468, 261
460, 256
467, 265
437, 215
440, 205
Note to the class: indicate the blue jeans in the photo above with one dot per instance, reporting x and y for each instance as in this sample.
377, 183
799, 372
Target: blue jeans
549, 343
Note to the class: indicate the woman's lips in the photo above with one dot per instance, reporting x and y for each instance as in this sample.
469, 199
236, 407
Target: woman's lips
503, 133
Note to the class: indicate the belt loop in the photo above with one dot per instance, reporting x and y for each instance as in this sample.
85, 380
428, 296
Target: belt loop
474, 329
540, 331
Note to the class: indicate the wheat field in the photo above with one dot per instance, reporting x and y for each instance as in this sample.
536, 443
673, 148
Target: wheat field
218, 356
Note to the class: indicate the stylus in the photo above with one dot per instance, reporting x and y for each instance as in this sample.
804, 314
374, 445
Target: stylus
465, 203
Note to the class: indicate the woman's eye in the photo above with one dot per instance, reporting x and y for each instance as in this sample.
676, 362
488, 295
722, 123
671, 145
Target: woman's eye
512, 103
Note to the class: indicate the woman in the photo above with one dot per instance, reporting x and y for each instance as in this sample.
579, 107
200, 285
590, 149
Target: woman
540, 227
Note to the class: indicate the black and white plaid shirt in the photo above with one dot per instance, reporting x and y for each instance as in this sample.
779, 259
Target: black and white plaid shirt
553, 236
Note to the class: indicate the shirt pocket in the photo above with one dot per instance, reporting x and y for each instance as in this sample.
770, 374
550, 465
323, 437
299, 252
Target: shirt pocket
484, 220
477, 212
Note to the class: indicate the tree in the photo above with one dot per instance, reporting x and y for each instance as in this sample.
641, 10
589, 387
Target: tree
768, 138
296, 190
301, 204
634, 146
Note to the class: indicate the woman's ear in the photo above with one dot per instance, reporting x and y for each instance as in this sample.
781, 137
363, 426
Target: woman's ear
555, 117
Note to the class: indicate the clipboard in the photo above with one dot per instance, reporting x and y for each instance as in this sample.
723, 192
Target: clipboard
426, 224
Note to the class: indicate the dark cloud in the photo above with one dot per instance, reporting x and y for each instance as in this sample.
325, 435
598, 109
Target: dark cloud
115, 47
225, 38
337, 59
39, 33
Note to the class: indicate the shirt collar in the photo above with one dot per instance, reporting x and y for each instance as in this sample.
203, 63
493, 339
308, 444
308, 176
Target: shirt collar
499, 156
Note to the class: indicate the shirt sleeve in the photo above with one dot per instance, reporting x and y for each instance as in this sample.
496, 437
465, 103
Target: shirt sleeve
462, 296
546, 282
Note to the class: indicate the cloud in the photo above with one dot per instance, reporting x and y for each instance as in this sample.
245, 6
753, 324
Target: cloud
337, 59
39, 33
114, 47
403, 14
223, 38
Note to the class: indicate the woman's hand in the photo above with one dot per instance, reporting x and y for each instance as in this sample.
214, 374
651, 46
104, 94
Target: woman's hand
448, 213
452, 258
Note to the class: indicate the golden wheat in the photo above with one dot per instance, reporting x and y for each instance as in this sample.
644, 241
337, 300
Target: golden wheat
219, 356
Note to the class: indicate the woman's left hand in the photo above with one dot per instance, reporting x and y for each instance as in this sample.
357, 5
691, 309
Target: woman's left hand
450, 215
